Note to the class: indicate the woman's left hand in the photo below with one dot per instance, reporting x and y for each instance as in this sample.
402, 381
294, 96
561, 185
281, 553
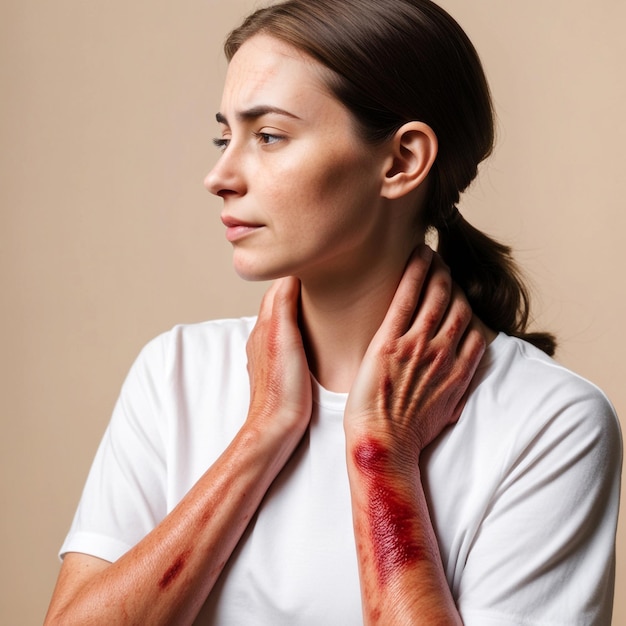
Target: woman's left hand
413, 380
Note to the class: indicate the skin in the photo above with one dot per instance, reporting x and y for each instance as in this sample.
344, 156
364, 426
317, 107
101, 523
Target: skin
410, 387
359, 301
307, 158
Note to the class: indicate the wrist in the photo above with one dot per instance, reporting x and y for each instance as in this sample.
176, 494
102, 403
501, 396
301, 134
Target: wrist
275, 438
376, 455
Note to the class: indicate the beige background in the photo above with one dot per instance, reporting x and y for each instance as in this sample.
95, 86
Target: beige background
107, 236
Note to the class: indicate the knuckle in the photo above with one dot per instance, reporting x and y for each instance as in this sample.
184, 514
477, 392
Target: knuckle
442, 359
464, 310
456, 328
478, 343
406, 352
459, 322
440, 294
432, 319
405, 308
388, 351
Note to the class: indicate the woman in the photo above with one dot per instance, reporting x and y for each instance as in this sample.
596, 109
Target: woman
336, 492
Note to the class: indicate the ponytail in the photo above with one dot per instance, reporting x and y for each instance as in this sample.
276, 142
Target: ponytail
487, 273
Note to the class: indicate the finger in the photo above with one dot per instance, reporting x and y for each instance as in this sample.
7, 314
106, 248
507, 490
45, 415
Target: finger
435, 299
267, 302
456, 319
282, 292
406, 298
287, 298
473, 344
288, 289
458, 409
472, 349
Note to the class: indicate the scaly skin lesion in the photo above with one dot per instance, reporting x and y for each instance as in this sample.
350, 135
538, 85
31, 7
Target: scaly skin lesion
390, 517
402, 579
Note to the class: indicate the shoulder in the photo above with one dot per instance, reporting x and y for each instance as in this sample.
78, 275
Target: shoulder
202, 335
199, 340
526, 410
533, 467
523, 396
189, 357
516, 371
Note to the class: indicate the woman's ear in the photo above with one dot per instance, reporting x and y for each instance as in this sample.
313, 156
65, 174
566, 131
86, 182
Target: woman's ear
413, 152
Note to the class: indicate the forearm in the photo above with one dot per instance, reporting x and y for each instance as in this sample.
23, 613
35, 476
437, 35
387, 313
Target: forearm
166, 578
402, 578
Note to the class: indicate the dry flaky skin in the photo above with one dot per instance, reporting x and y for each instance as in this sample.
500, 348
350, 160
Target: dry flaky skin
410, 386
390, 517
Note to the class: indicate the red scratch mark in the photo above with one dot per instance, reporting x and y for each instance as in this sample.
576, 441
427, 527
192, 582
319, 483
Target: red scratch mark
174, 571
390, 517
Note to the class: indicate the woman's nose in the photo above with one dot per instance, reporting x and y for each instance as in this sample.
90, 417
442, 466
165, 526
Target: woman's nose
211, 182
225, 177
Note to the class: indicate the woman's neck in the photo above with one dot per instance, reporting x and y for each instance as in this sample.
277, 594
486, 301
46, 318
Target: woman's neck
338, 319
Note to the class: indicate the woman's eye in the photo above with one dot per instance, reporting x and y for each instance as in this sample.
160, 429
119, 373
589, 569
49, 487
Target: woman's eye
268, 139
221, 143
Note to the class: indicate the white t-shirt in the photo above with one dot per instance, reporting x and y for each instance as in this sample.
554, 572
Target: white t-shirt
523, 492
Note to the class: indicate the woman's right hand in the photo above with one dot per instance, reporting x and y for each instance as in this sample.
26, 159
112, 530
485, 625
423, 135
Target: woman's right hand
167, 576
280, 383
414, 378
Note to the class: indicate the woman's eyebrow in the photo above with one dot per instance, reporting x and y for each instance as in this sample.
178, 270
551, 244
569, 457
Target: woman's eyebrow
254, 113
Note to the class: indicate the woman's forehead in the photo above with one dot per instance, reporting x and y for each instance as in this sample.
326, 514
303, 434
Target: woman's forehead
268, 71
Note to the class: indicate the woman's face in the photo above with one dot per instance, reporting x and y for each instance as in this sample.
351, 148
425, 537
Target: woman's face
301, 190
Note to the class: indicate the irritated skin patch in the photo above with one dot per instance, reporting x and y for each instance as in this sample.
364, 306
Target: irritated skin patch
390, 516
173, 572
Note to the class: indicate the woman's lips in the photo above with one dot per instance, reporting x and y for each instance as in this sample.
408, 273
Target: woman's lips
236, 229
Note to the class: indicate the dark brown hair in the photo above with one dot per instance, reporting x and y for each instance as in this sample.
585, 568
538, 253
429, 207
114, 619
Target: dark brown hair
394, 61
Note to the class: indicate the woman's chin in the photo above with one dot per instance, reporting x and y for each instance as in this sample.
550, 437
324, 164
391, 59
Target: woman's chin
254, 273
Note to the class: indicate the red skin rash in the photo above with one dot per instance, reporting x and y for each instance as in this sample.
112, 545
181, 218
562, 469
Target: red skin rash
273, 342
390, 517
369, 457
173, 572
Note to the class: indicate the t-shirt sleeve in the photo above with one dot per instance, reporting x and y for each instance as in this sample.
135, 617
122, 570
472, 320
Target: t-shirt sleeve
124, 497
545, 552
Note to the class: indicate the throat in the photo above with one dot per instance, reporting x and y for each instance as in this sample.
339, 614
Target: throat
335, 370
337, 337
